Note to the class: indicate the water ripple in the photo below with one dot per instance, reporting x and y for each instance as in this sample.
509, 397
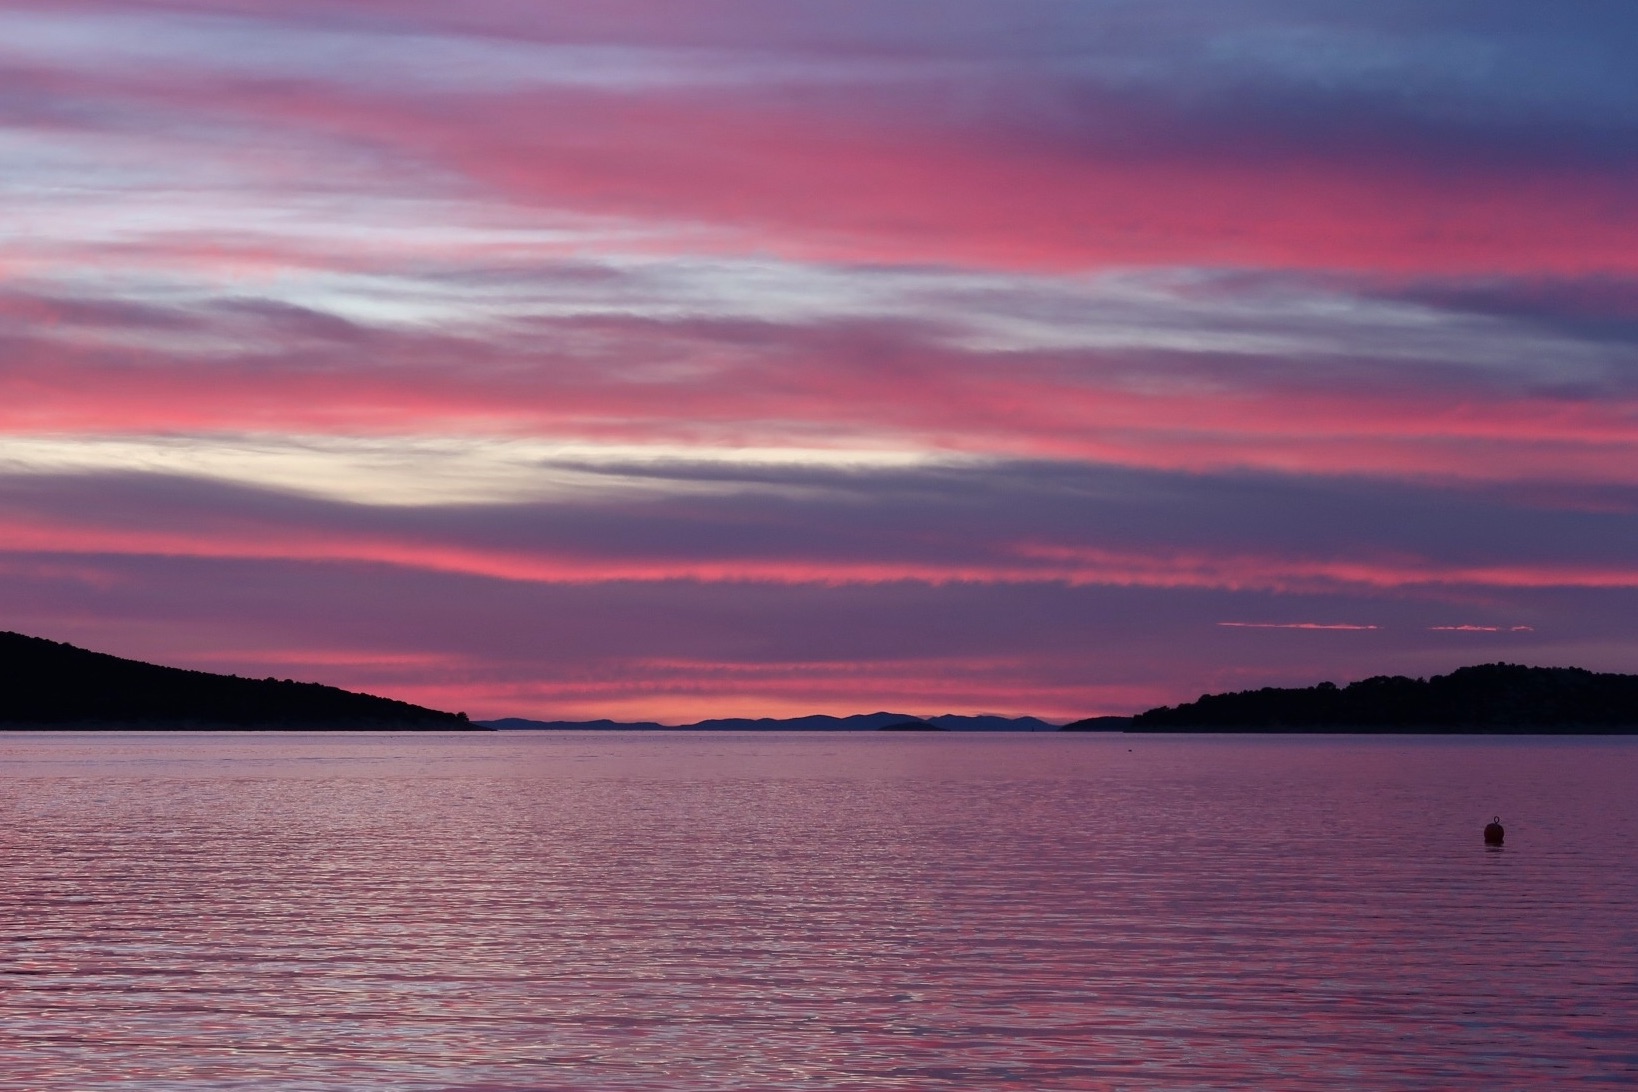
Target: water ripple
522, 912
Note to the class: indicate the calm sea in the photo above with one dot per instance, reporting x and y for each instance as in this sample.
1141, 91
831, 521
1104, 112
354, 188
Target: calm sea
680, 912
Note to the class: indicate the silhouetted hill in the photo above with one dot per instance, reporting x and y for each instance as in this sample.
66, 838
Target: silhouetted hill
522, 724
1487, 698
47, 684
1098, 724
953, 722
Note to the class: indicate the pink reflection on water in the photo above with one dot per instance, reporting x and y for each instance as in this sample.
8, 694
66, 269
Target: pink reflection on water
818, 911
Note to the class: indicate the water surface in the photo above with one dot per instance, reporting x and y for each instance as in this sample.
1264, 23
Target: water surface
680, 912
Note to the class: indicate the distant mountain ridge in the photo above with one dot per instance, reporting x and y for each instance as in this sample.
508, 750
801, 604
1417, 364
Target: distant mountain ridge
862, 722
1487, 698
47, 684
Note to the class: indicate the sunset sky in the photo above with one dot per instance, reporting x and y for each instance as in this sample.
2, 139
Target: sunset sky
662, 359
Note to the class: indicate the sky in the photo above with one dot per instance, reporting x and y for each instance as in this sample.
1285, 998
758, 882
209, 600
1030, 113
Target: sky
665, 359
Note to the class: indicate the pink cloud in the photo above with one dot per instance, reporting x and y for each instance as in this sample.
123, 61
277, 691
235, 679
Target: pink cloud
813, 185
1297, 625
1393, 312
665, 541
1481, 629
862, 174
813, 385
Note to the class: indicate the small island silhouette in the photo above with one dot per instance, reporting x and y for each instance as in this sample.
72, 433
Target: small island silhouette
1495, 698
914, 724
46, 684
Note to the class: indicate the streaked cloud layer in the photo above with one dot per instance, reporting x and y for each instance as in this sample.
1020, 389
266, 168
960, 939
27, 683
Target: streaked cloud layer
694, 358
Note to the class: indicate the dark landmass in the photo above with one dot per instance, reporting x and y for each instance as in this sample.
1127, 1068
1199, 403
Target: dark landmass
953, 723
1487, 699
44, 684
1099, 724
911, 726
519, 724
862, 722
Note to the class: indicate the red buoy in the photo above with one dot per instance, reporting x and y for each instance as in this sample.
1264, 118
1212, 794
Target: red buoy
1493, 833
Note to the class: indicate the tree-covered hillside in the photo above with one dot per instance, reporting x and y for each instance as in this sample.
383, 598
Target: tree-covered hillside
48, 684
1486, 698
